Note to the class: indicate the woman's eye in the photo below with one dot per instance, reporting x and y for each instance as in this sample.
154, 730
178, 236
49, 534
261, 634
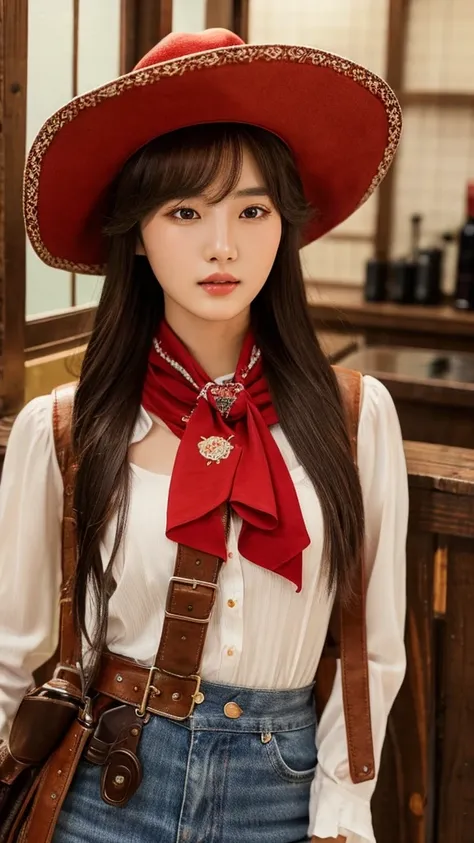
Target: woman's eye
184, 214
255, 212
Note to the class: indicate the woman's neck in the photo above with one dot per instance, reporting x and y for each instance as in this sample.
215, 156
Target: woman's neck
215, 346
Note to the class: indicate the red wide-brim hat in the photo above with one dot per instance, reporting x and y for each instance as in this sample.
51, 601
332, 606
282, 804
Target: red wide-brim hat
341, 121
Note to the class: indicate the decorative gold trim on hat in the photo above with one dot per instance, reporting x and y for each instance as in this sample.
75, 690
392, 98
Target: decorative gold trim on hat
238, 54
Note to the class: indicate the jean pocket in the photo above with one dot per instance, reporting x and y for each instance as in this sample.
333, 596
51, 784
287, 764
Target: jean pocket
292, 754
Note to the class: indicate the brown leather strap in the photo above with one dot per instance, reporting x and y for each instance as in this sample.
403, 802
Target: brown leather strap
171, 687
63, 402
54, 784
353, 631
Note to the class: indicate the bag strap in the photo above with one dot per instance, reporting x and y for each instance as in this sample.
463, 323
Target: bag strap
63, 403
352, 623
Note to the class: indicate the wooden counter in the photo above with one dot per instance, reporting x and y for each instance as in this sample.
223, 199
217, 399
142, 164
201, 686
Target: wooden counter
425, 789
343, 309
433, 391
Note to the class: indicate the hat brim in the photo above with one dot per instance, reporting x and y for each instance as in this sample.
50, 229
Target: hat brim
342, 123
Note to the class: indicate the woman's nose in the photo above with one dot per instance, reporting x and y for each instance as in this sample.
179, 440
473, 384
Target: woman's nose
221, 244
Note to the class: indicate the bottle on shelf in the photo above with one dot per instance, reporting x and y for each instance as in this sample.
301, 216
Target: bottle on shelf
401, 288
448, 280
464, 293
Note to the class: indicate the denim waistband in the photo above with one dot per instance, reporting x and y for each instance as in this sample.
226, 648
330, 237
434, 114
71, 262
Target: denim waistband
259, 710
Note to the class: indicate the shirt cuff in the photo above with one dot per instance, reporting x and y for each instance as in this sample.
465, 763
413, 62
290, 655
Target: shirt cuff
333, 810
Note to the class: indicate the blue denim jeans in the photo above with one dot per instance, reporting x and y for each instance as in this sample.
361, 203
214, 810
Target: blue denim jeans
210, 778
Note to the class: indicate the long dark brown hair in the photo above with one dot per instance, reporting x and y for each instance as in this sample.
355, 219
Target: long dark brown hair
183, 164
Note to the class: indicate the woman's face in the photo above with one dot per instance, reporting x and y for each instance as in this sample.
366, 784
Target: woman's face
190, 240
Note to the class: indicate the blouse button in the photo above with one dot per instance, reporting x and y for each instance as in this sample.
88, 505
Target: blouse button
230, 651
231, 604
230, 555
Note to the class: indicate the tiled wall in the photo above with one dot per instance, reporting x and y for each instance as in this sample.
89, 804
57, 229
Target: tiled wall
436, 156
440, 45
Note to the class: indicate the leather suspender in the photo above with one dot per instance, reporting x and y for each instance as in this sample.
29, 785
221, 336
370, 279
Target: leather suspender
352, 625
171, 687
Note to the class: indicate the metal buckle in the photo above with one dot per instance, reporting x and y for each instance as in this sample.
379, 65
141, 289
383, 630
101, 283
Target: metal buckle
194, 583
141, 711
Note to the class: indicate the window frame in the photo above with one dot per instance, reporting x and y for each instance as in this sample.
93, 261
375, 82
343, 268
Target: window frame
143, 23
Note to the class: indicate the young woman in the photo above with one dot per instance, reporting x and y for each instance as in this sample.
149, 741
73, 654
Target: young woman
195, 180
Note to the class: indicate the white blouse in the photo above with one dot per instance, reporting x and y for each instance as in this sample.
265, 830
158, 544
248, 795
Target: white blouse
262, 633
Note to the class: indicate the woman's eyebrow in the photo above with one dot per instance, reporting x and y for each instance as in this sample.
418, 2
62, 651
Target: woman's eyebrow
251, 191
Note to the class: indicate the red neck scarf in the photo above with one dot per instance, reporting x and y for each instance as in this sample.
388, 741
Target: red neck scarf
226, 454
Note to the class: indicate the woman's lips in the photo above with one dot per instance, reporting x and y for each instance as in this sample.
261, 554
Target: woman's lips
219, 288
219, 284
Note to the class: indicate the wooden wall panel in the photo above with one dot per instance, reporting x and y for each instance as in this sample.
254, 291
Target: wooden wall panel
13, 64
455, 792
401, 808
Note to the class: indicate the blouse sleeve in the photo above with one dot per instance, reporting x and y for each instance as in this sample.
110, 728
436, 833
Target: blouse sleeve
337, 805
30, 554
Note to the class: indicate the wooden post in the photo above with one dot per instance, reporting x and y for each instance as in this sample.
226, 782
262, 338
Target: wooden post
230, 14
13, 66
396, 41
219, 13
241, 19
144, 22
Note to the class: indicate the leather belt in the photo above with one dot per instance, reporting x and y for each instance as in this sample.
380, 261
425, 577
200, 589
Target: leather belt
150, 690
171, 686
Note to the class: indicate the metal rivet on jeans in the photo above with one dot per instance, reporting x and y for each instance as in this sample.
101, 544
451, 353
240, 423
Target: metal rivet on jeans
266, 737
119, 678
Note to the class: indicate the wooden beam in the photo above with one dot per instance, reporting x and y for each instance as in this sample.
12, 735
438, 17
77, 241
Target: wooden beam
396, 50
46, 334
143, 24
13, 75
442, 99
349, 237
